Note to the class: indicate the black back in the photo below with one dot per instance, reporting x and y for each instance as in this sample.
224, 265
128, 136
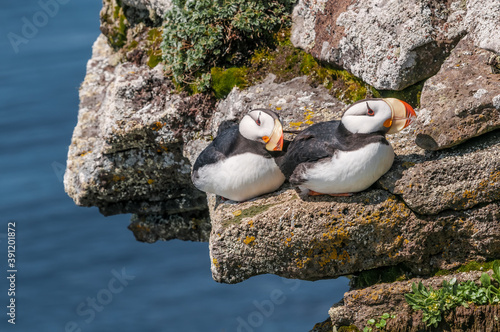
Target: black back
229, 142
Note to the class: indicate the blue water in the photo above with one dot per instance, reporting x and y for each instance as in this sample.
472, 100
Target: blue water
80, 271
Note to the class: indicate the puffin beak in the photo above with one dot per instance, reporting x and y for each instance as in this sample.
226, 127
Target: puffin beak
275, 141
402, 115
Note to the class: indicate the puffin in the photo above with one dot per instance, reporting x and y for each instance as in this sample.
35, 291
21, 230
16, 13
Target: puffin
339, 158
239, 164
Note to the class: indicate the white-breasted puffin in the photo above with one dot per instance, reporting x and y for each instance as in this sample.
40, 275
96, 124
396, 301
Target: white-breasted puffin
347, 156
239, 164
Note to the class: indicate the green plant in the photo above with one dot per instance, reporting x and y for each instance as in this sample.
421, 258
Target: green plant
382, 322
434, 303
154, 40
202, 34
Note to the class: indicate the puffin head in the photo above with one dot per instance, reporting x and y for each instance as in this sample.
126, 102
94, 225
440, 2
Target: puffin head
263, 126
388, 115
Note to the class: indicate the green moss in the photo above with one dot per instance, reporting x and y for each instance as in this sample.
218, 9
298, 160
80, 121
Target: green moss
471, 266
380, 275
248, 213
223, 81
441, 273
477, 266
287, 62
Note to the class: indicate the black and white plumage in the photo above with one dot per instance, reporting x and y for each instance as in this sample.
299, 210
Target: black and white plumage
239, 164
346, 156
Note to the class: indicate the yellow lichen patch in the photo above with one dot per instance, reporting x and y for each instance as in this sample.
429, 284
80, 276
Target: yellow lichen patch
494, 177
308, 114
295, 125
158, 125
117, 178
288, 240
215, 262
250, 223
85, 153
328, 257
469, 195
237, 213
162, 148
302, 262
151, 181
249, 239
325, 250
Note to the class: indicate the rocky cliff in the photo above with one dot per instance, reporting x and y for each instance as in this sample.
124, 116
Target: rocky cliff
436, 209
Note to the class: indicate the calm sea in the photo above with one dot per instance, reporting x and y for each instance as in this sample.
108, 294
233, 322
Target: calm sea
77, 270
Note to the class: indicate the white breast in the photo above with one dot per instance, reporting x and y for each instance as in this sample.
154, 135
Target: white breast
240, 177
350, 171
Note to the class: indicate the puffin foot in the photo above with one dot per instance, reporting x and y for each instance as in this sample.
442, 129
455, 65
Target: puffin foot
342, 195
315, 193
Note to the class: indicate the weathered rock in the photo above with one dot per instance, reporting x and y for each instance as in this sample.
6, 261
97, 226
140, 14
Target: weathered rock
390, 44
461, 101
159, 7
456, 179
126, 153
360, 305
327, 237
483, 24
183, 226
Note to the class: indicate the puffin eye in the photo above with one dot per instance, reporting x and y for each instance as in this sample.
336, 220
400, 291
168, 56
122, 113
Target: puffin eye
370, 112
258, 120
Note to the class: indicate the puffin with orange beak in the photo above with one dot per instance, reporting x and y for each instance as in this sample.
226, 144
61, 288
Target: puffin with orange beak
339, 158
239, 164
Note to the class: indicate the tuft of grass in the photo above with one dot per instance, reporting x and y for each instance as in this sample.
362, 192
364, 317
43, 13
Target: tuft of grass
435, 302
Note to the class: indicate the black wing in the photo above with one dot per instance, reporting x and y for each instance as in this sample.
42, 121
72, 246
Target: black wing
228, 143
314, 143
219, 149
